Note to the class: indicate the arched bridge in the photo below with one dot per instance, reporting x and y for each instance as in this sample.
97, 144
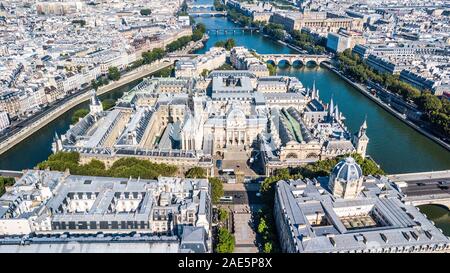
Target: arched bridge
207, 13
292, 59
235, 30
441, 200
200, 7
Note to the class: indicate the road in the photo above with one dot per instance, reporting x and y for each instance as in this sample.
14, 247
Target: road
426, 187
242, 193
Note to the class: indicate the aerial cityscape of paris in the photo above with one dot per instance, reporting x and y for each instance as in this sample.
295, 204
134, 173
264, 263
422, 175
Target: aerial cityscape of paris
224, 126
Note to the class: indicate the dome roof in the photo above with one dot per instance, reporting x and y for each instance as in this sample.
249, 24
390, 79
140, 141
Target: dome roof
347, 170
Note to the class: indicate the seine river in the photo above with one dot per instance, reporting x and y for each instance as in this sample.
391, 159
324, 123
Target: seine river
393, 145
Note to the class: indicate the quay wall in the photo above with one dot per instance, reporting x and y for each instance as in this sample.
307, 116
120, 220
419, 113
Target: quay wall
386, 107
82, 97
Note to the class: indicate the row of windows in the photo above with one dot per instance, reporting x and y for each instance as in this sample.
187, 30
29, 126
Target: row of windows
100, 225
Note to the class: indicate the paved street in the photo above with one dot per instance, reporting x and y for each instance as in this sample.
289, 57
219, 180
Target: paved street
243, 231
245, 203
426, 187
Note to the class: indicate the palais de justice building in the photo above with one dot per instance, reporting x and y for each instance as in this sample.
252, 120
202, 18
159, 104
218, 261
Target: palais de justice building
228, 114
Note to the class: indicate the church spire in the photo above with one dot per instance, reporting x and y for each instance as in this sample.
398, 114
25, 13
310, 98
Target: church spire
314, 91
364, 125
95, 106
336, 113
331, 107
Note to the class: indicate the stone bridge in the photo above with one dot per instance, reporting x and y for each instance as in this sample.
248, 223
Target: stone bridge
231, 30
200, 6
425, 188
294, 59
207, 13
441, 200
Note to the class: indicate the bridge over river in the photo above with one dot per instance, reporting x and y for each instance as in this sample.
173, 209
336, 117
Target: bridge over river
291, 59
425, 188
276, 59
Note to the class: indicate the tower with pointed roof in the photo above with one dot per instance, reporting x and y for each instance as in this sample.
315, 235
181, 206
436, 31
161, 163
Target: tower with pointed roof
95, 105
361, 140
57, 144
331, 109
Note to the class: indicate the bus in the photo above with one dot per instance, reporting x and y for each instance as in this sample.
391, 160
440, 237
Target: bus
226, 199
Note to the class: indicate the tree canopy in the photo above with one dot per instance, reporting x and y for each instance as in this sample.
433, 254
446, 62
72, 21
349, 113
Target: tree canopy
227, 44
108, 104
80, 113
113, 73
124, 167
320, 168
272, 69
223, 215
216, 189
275, 31
226, 241
5, 182
437, 111
145, 12
195, 172
199, 30
80, 22
153, 55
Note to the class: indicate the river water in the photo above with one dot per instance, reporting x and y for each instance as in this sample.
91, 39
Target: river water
38, 146
393, 145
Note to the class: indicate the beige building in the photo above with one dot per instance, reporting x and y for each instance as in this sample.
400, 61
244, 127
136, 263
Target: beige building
338, 42
213, 59
318, 22
10, 103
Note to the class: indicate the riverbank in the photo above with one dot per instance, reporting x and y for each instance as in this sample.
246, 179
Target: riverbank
83, 96
386, 107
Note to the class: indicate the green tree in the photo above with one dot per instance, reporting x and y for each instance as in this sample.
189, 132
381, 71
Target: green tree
113, 73
5, 182
223, 215
274, 31
80, 113
226, 241
225, 66
124, 167
145, 12
268, 247
230, 43
272, 69
108, 104
178, 44
430, 103
220, 44
262, 226
195, 172
219, 6
165, 72
204, 73
198, 32
153, 55
82, 23
104, 81
216, 189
